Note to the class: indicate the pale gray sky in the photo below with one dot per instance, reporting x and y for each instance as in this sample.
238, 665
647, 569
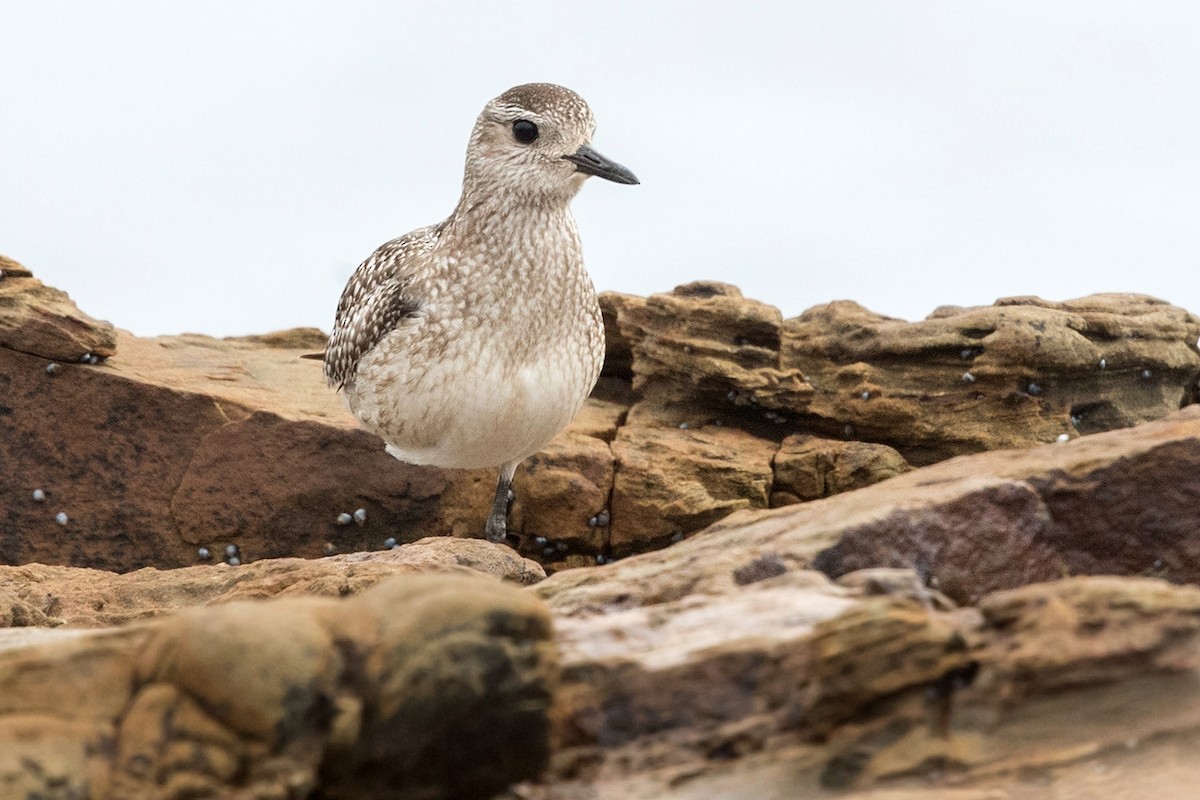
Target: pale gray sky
222, 167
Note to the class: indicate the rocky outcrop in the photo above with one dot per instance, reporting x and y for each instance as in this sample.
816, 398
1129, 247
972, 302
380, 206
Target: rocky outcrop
791, 686
1016, 374
794, 609
416, 689
1125, 502
711, 404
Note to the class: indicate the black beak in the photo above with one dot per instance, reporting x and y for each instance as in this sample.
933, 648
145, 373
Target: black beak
589, 162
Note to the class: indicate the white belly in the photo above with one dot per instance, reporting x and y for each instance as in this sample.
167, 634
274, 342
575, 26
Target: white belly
467, 412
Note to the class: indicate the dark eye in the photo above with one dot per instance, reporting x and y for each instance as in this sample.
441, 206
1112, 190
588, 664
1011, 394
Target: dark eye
524, 131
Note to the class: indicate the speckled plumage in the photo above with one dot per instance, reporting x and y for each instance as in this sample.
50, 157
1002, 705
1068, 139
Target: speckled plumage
472, 342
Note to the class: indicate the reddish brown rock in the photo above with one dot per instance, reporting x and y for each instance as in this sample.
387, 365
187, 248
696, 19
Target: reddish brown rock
188, 441
1123, 502
791, 686
562, 494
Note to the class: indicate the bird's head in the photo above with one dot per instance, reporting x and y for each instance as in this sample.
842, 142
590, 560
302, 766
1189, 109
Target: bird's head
534, 142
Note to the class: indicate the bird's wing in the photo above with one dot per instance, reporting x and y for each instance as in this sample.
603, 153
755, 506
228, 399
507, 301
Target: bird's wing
376, 299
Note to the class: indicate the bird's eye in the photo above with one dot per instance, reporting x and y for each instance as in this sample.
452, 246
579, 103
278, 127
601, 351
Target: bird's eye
525, 131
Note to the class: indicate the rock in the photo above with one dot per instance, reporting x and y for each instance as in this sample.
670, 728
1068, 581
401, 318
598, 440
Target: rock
568, 484
188, 441
790, 686
42, 321
313, 339
1123, 502
37, 594
1015, 374
183, 442
809, 468
705, 339
671, 481
414, 689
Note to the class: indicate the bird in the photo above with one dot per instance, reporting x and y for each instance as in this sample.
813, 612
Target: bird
472, 342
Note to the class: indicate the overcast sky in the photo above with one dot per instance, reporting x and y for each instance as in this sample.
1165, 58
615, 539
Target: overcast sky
222, 167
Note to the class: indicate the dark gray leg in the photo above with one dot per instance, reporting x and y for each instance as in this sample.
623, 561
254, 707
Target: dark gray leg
497, 524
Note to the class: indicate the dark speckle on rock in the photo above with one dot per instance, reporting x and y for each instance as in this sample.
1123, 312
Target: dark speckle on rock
768, 565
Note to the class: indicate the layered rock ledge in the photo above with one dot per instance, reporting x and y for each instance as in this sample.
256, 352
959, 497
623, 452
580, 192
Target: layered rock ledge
853, 557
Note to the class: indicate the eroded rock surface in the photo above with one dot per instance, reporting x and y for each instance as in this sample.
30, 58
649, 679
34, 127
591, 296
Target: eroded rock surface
417, 688
1015, 374
794, 609
711, 403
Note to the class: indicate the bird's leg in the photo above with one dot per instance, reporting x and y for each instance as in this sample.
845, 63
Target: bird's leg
497, 523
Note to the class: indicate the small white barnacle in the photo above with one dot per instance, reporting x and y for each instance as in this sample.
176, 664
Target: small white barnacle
39, 495
344, 519
1063, 437
51, 368
360, 516
866, 395
1033, 389
1147, 374
1103, 363
61, 518
968, 377
86, 358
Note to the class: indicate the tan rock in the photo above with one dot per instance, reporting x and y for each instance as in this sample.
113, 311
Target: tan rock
809, 467
1015, 374
42, 321
705, 339
36, 594
411, 690
671, 481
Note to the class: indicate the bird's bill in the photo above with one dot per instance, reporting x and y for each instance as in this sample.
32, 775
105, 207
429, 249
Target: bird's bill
589, 162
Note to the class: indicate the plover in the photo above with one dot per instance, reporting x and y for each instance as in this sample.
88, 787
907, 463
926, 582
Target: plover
473, 342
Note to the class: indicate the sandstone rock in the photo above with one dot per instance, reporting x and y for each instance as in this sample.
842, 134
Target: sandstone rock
792, 687
36, 594
809, 468
42, 321
183, 442
705, 339
560, 493
1015, 374
415, 689
671, 481
1123, 502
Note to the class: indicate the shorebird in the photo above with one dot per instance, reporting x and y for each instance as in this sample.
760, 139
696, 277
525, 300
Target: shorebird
473, 342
